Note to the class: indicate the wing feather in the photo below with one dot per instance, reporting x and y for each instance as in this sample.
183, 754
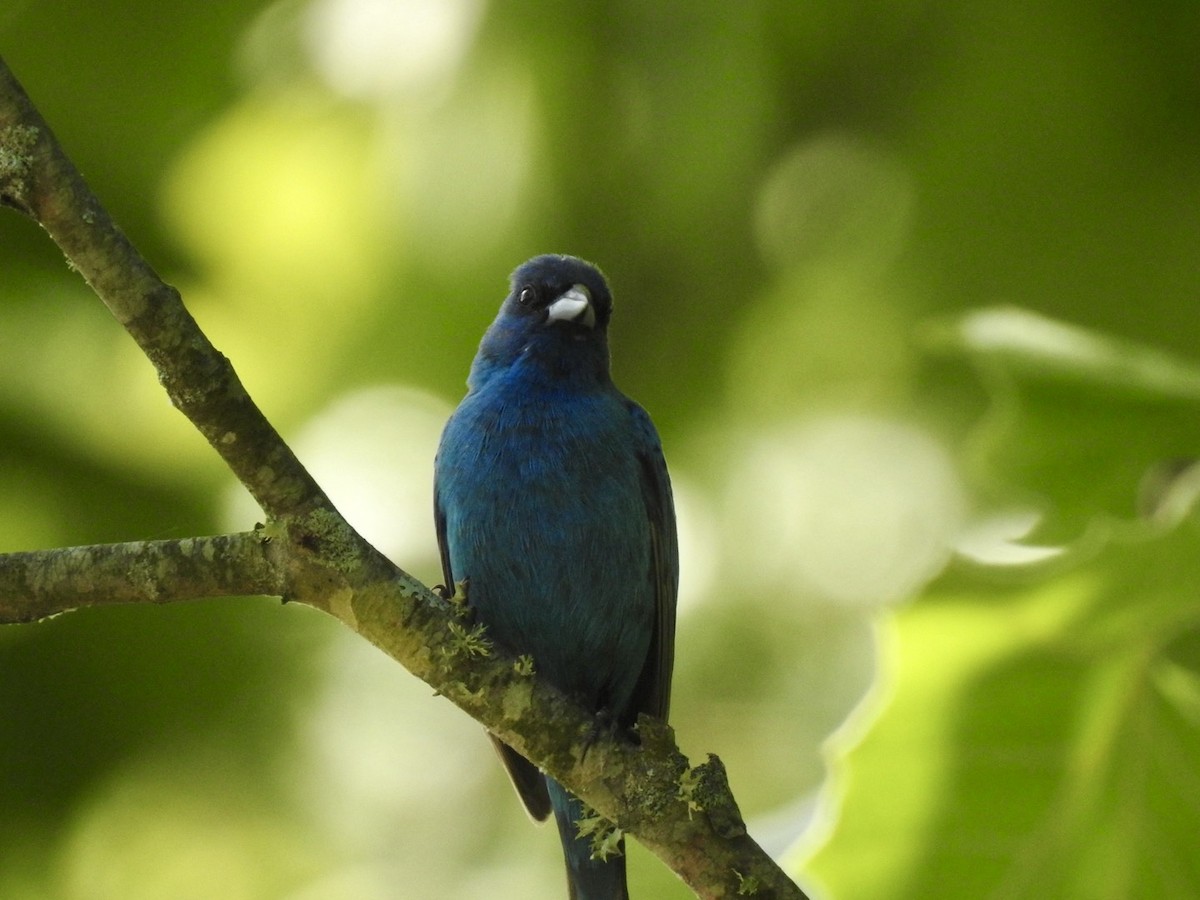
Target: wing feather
653, 692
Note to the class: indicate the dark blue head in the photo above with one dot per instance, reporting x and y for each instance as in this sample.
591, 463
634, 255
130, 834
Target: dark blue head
554, 323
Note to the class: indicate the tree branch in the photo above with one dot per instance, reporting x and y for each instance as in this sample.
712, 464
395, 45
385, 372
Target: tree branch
308, 553
44, 583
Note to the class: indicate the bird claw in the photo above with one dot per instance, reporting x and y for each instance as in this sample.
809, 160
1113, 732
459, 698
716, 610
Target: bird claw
458, 596
603, 725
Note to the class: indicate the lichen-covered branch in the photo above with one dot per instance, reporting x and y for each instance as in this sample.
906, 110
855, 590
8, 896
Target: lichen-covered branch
307, 553
43, 583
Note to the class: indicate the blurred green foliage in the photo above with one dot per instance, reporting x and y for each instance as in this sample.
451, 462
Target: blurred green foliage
910, 291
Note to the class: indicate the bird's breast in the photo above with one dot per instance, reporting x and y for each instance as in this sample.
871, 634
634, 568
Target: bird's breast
545, 517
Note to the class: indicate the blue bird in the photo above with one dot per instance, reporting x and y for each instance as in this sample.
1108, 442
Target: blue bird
552, 502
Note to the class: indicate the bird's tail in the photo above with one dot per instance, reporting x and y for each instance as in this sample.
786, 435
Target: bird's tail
587, 878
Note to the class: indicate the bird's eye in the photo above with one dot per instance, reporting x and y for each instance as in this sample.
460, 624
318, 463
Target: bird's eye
527, 296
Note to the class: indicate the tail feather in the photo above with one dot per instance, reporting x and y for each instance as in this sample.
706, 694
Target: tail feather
526, 778
587, 878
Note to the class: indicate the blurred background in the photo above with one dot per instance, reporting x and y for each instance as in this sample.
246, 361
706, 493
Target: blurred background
910, 290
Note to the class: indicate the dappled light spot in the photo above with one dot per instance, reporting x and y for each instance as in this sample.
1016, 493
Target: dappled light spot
372, 451
853, 510
377, 49
279, 197
381, 758
834, 197
698, 538
997, 539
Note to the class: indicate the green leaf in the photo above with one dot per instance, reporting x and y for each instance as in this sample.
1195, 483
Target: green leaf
1038, 345
1043, 739
1077, 418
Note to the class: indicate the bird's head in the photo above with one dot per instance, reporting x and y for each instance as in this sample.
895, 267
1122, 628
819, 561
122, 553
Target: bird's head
555, 318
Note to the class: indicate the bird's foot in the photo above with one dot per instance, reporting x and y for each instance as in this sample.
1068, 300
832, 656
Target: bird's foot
603, 725
456, 598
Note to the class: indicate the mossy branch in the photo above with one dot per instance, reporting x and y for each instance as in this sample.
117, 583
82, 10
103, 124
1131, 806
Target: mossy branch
44, 583
308, 553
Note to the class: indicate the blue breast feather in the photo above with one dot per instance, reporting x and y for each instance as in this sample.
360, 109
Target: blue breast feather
545, 516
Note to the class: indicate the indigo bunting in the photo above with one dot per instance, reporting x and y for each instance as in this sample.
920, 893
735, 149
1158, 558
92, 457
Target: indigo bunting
552, 502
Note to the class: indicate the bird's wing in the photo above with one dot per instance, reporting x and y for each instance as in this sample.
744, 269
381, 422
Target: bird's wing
653, 692
525, 776
439, 523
